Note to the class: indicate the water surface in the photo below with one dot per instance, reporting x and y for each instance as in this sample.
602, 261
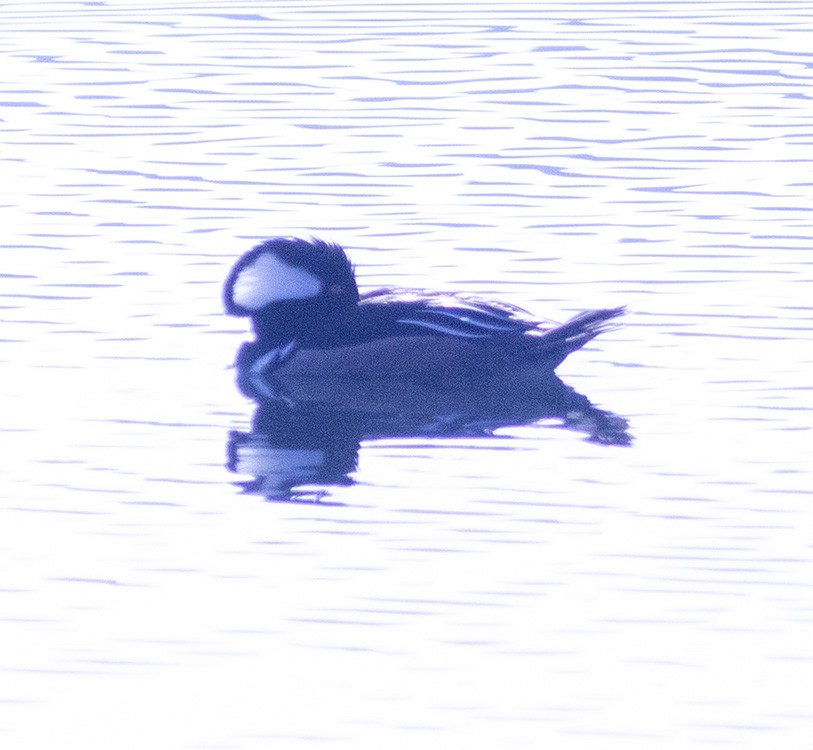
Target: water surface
517, 587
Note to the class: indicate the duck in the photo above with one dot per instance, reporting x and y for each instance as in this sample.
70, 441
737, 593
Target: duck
311, 324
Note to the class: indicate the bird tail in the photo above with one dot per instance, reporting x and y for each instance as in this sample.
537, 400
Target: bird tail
576, 332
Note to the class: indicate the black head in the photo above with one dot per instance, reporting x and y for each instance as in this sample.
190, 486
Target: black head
288, 283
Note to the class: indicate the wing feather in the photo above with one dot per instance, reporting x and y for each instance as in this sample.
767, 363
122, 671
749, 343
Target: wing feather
452, 314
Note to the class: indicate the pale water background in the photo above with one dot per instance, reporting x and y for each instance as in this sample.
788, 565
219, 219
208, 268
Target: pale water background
530, 589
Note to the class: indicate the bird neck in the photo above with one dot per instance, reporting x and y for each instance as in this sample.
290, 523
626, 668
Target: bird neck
299, 320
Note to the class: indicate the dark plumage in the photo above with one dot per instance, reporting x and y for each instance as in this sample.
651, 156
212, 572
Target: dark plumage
310, 322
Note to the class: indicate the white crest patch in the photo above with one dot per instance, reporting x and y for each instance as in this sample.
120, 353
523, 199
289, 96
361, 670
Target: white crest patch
269, 280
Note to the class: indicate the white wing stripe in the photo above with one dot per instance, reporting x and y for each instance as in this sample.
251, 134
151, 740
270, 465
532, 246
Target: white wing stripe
506, 325
443, 329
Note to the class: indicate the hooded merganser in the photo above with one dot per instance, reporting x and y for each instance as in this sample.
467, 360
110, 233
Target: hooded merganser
311, 323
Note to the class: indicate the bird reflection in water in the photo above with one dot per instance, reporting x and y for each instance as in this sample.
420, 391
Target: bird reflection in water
304, 442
